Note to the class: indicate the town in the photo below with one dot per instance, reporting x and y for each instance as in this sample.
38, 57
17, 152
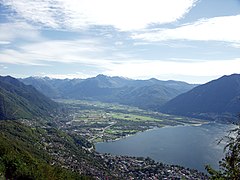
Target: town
99, 122
69, 139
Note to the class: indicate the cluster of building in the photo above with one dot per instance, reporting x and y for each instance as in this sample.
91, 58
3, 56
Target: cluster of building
106, 166
125, 167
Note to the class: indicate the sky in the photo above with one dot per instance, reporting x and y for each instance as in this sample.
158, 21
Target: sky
187, 40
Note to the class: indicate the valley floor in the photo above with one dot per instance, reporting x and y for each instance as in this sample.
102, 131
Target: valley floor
99, 122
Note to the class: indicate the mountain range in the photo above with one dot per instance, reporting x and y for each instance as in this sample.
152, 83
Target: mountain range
216, 100
18, 100
147, 94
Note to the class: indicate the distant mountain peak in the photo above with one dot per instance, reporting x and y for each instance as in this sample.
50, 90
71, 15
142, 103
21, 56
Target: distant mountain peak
102, 76
153, 79
38, 77
235, 75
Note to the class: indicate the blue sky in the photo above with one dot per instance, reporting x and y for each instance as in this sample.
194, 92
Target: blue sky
188, 40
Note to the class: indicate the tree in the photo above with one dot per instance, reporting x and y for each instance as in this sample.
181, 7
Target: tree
230, 164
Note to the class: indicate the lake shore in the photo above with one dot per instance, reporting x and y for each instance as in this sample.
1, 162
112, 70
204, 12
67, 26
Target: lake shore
153, 128
191, 146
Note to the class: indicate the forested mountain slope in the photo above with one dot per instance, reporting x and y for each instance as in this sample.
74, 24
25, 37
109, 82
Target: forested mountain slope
18, 100
215, 99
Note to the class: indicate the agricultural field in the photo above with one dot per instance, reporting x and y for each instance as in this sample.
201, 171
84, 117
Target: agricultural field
97, 121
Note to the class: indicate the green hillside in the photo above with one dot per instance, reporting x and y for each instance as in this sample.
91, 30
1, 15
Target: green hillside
18, 100
216, 100
22, 155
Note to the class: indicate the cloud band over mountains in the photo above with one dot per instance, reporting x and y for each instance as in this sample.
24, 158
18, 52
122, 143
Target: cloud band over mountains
138, 39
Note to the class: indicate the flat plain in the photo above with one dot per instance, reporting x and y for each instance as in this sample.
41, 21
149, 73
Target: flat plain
97, 121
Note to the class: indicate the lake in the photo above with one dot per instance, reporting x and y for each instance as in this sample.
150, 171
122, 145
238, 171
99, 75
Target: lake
188, 146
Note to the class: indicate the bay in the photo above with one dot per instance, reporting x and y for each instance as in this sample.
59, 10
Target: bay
188, 146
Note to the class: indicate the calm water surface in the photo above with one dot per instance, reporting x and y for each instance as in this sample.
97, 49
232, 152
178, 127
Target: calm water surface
189, 146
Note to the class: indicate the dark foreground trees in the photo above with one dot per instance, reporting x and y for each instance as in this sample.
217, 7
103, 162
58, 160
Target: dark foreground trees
230, 164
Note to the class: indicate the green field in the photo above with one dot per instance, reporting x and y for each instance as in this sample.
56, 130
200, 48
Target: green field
133, 117
97, 121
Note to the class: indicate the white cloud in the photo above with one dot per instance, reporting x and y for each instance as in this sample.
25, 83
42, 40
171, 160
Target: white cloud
118, 43
121, 14
92, 53
81, 53
3, 67
147, 69
65, 76
37, 11
5, 42
65, 51
225, 28
235, 45
18, 30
